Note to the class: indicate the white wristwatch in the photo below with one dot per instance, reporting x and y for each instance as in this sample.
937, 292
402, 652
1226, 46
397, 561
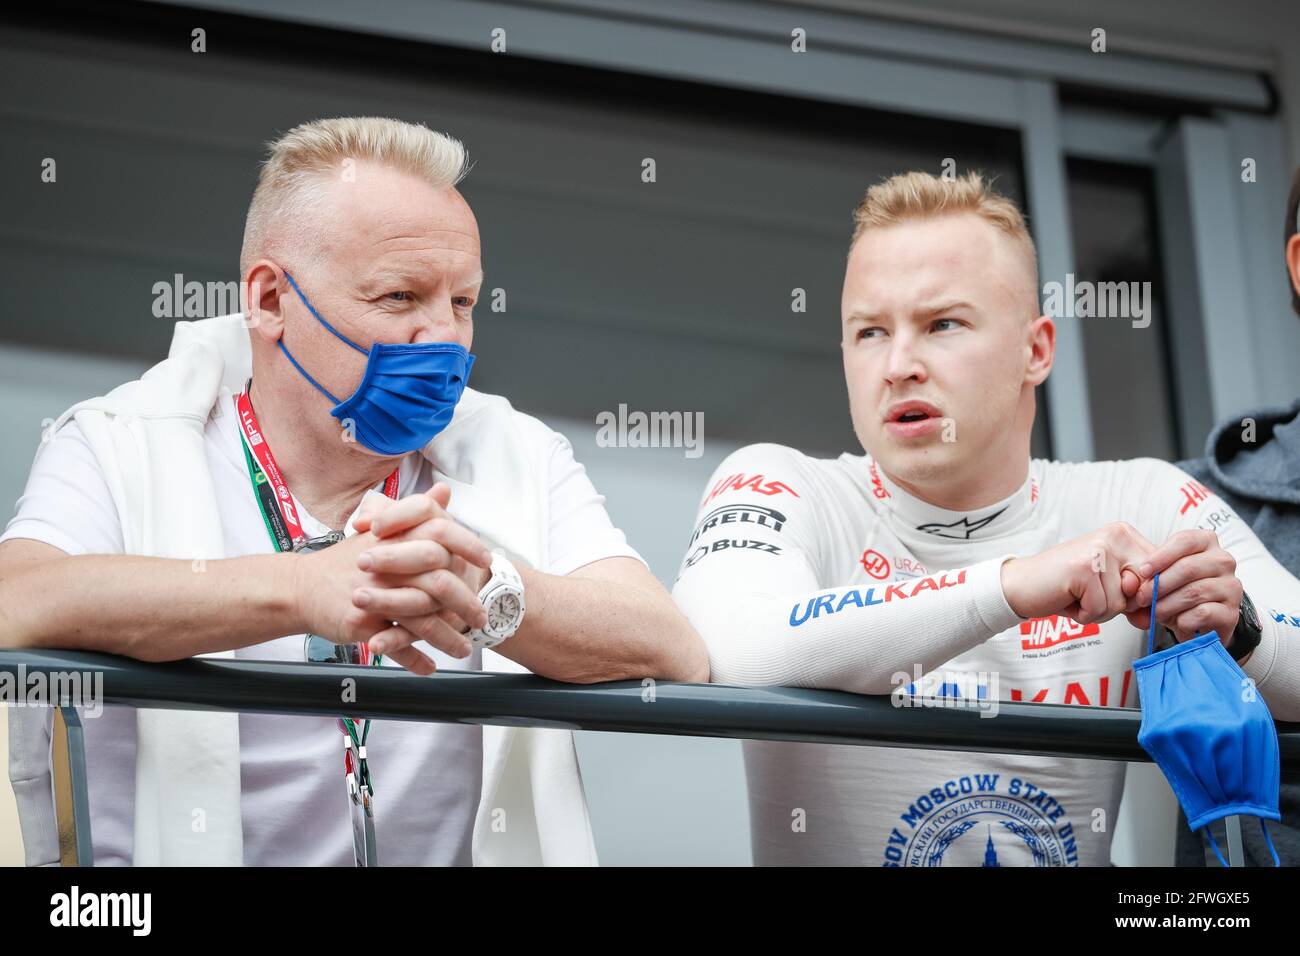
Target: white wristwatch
503, 599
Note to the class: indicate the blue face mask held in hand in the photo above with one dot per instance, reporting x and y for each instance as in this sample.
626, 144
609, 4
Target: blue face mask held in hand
1209, 730
407, 395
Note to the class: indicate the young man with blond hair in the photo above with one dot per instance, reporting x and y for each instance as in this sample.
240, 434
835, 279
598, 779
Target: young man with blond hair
946, 561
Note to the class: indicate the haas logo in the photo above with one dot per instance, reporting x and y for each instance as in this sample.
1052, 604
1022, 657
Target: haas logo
756, 484
1193, 494
875, 564
877, 486
1055, 629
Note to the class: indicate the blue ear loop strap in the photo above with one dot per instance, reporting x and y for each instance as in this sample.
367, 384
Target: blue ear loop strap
1151, 631
328, 326
1267, 839
1209, 832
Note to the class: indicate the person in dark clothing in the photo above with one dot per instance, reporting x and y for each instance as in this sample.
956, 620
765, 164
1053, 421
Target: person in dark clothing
1253, 463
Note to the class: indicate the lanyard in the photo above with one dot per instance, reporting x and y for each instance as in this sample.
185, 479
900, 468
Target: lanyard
282, 524
273, 496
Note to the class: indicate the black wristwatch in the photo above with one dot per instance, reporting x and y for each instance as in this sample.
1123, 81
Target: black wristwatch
1245, 637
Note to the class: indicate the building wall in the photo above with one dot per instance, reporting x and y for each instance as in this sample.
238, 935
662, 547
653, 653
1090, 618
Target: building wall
1256, 33
654, 799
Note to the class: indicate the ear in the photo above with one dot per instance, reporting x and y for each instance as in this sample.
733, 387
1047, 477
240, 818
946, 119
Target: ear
264, 286
1041, 342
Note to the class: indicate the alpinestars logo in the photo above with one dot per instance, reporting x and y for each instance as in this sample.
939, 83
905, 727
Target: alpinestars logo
961, 530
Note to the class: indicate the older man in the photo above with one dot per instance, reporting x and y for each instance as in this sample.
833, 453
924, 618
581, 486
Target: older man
250, 449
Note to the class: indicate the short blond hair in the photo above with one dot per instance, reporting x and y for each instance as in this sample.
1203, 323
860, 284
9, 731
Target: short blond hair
918, 195
304, 160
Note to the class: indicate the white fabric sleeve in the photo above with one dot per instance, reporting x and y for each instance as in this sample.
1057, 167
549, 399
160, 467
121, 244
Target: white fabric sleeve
751, 585
67, 502
579, 529
1175, 502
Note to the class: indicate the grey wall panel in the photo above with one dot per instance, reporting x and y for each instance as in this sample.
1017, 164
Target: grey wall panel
668, 295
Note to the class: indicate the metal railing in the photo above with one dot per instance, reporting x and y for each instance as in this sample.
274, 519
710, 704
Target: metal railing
521, 700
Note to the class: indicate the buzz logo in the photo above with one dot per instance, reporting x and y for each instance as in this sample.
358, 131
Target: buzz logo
729, 544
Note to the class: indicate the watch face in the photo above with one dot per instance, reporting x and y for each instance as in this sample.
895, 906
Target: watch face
503, 612
1248, 612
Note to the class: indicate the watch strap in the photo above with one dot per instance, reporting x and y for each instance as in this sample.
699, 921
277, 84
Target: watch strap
1246, 635
503, 572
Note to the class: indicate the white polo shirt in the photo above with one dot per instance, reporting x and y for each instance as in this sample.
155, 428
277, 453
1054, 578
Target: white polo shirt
295, 810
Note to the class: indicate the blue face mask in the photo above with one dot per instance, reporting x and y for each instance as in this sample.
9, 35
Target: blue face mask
1215, 743
407, 395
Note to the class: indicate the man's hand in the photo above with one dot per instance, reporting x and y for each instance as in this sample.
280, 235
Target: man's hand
1199, 590
1090, 579
351, 599
324, 582
433, 567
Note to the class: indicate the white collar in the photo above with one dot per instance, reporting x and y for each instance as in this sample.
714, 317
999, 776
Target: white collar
980, 524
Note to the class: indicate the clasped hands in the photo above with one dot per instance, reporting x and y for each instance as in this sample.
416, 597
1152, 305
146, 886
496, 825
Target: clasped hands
1109, 572
411, 572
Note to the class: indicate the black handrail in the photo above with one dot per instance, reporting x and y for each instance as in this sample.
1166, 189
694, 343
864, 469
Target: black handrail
653, 707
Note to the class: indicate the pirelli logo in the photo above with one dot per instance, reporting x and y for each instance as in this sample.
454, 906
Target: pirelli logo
756, 515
